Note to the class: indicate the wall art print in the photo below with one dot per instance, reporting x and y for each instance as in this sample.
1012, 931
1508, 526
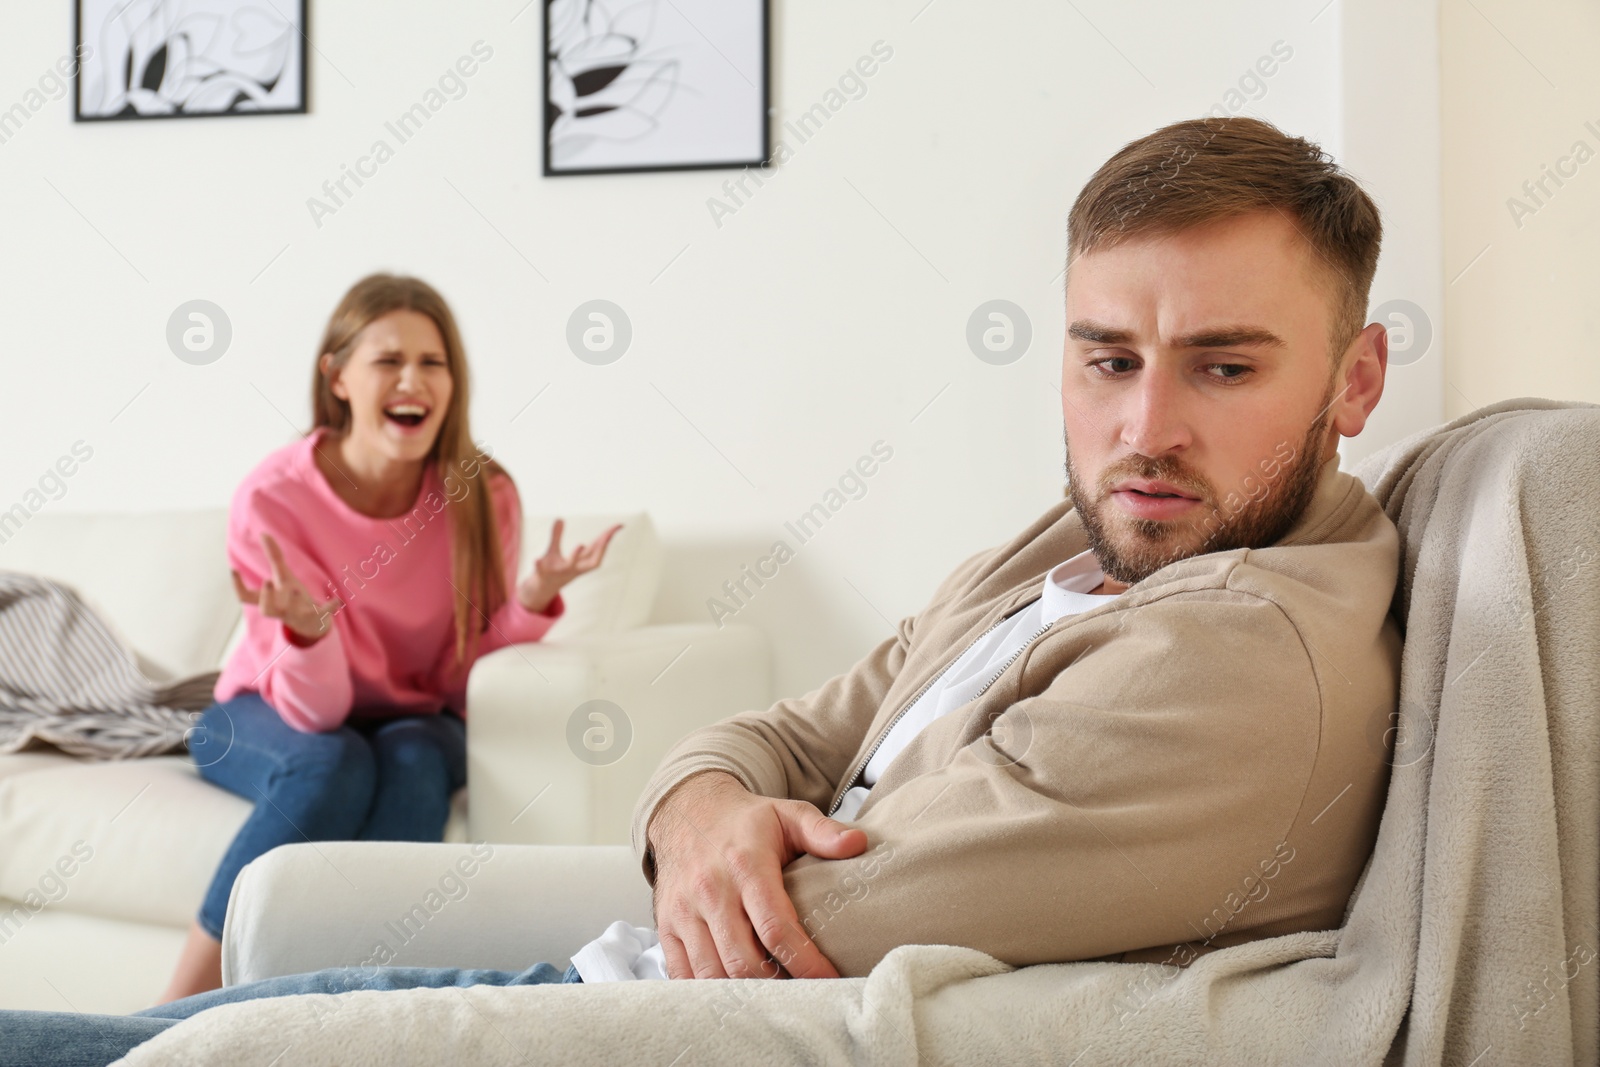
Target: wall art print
635, 85
165, 59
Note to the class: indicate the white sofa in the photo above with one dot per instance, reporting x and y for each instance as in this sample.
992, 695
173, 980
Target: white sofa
120, 853
1465, 943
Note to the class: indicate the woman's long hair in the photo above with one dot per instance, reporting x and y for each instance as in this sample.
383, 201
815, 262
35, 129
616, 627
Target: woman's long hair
478, 571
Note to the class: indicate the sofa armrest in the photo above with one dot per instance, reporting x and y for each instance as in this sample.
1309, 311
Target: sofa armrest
531, 781
359, 903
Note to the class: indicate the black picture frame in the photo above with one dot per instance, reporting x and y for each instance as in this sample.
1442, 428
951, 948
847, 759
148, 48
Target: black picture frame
761, 155
301, 82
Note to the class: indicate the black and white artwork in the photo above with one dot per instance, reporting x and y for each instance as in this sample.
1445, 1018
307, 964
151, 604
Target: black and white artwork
164, 59
635, 85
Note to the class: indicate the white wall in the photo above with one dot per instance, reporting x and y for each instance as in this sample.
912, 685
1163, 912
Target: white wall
1390, 126
769, 353
1521, 103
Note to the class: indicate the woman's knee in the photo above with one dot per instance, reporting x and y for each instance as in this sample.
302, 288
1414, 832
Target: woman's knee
339, 760
244, 746
320, 780
419, 744
405, 744
211, 735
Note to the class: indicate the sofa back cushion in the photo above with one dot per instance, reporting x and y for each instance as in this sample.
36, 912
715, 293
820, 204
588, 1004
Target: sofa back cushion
159, 578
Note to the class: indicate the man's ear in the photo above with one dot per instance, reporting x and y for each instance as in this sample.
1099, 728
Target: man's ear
335, 386
1361, 384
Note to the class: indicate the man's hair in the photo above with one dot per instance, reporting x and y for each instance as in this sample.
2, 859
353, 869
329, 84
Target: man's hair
1207, 169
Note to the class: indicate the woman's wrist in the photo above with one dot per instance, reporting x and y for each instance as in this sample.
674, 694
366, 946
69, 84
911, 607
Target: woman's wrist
298, 639
539, 600
301, 639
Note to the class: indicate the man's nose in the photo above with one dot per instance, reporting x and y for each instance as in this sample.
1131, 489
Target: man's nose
1156, 421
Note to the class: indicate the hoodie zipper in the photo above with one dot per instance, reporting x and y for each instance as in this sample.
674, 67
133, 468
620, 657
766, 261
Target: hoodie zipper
862, 763
1004, 666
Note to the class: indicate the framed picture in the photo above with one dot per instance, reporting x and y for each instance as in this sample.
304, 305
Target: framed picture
640, 85
173, 59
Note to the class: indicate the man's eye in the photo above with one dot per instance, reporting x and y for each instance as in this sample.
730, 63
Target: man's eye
1113, 365
1230, 371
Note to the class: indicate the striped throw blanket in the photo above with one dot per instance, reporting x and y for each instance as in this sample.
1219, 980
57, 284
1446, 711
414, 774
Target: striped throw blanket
66, 680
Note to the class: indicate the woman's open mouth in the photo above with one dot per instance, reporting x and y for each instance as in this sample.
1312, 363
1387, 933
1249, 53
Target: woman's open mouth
406, 417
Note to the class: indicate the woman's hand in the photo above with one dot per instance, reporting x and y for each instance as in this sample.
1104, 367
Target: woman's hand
554, 570
283, 596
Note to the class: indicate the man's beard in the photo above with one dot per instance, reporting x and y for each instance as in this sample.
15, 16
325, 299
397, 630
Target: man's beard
1130, 549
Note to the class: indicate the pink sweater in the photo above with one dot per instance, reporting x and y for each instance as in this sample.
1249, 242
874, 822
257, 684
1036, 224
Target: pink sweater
393, 642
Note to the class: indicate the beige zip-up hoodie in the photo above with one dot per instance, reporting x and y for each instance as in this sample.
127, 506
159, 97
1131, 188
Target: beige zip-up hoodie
1197, 762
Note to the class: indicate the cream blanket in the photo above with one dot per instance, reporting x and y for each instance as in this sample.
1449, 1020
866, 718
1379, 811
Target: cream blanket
1471, 940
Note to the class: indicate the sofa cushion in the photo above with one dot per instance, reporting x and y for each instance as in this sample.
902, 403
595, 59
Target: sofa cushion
159, 579
141, 837
33, 758
56, 960
621, 592
135, 840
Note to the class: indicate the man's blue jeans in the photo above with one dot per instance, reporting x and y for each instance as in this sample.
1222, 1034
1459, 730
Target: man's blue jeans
373, 779
72, 1039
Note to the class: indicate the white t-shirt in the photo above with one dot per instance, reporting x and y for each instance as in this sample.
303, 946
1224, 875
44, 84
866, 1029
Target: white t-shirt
625, 952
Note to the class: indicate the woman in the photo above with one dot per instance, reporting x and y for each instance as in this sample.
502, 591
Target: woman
376, 558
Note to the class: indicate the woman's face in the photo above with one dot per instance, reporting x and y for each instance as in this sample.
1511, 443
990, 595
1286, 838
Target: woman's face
398, 385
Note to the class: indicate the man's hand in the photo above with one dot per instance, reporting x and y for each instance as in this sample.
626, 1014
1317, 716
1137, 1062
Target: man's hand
720, 906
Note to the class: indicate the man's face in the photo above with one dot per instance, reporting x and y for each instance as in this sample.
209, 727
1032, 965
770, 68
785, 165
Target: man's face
1197, 393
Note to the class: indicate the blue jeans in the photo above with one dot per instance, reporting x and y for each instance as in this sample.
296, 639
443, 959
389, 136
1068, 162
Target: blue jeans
75, 1039
372, 779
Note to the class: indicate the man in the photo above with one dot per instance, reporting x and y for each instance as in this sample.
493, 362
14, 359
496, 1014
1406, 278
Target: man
1140, 729
1185, 767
